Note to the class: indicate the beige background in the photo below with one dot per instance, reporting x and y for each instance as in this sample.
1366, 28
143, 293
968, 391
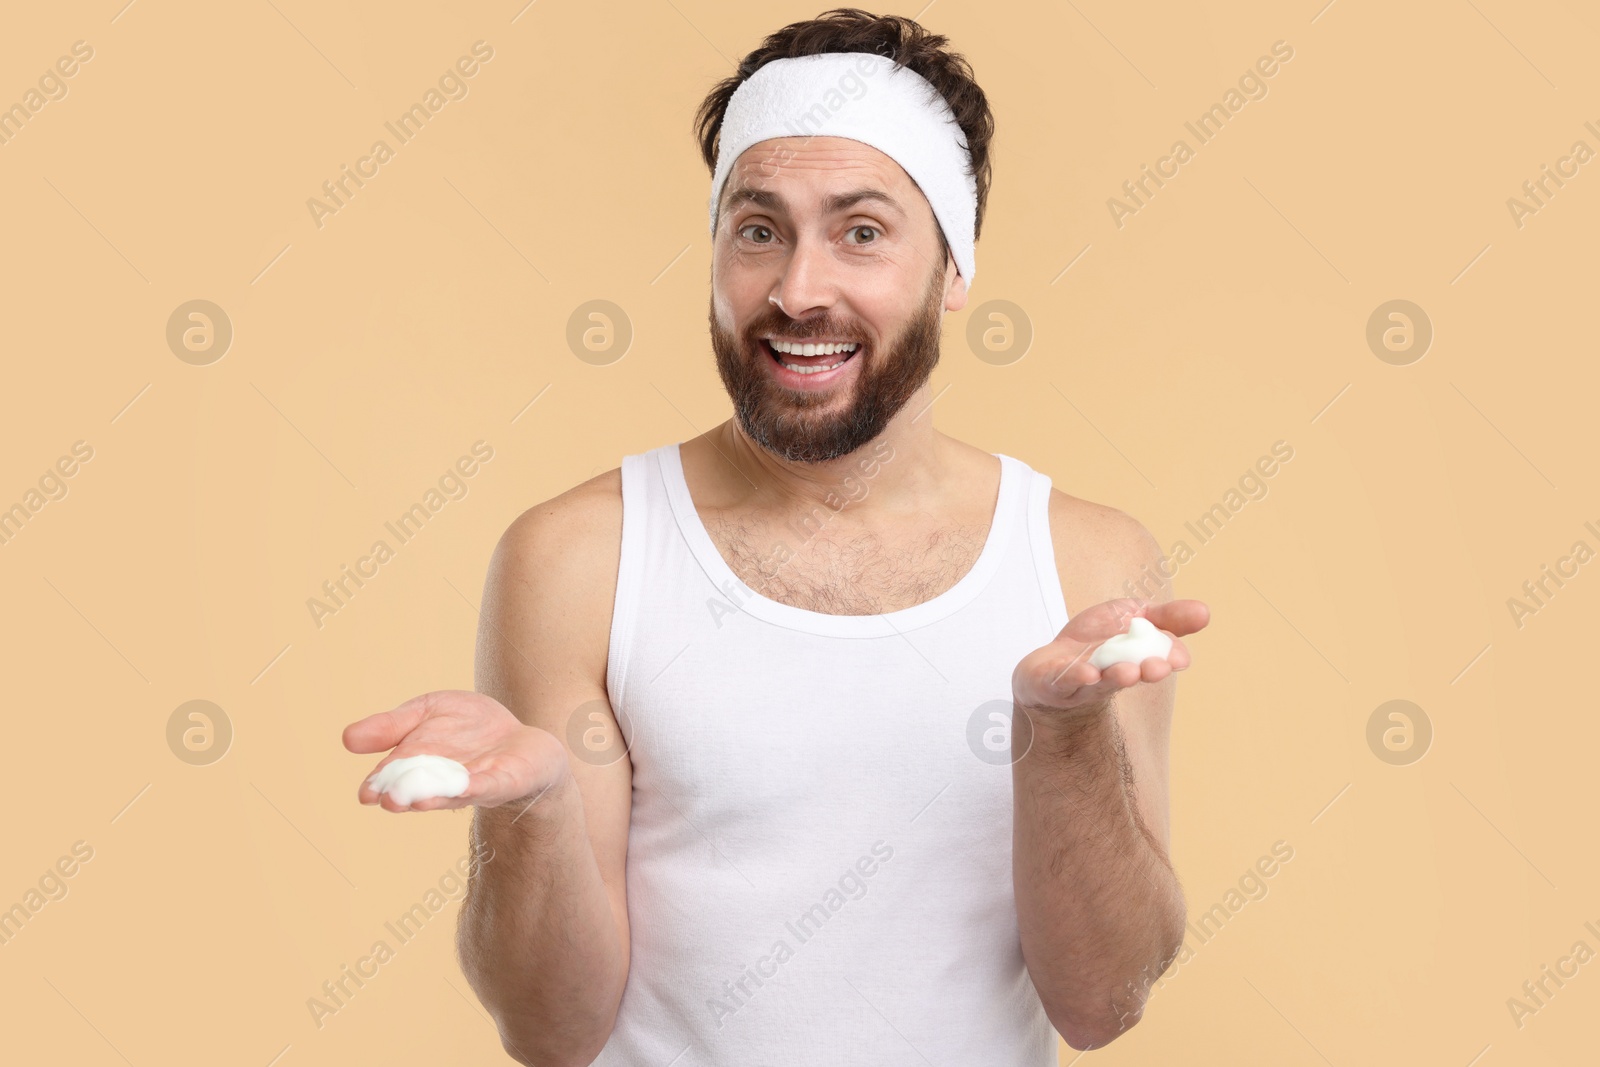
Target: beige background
368, 354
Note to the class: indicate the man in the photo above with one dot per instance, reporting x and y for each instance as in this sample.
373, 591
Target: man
744, 750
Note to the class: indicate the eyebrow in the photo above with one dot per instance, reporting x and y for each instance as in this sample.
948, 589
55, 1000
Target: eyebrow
770, 201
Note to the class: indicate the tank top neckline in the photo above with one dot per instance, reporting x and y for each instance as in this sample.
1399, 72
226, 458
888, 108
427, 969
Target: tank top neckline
886, 624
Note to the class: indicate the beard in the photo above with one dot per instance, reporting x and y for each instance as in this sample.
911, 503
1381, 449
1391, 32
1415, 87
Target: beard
791, 423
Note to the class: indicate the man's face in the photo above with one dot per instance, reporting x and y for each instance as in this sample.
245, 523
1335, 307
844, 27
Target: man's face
787, 265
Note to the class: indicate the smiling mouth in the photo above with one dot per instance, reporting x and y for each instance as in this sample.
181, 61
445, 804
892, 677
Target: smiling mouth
813, 364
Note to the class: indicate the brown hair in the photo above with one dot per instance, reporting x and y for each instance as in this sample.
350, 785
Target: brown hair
850, 29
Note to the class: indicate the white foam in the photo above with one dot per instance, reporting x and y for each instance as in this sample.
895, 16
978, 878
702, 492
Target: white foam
1141, 642
417, 778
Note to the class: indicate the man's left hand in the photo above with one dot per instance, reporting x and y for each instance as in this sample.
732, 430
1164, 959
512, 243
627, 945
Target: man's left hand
1059, 680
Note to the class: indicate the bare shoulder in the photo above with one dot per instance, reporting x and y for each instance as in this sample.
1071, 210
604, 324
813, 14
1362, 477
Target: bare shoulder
1102, 553
571, 519
548, 596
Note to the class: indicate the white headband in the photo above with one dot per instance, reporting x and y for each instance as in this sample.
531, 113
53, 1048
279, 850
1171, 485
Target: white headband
862, 96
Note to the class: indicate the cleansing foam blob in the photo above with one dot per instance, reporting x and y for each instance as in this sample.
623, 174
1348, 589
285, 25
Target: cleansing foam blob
1141, 642
417, 778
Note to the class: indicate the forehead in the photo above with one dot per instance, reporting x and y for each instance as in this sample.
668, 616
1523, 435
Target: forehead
797, 172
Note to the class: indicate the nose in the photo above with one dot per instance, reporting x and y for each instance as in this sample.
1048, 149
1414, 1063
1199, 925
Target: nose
806, 283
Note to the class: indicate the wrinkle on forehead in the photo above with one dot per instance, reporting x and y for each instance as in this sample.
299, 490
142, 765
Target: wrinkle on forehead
854, 164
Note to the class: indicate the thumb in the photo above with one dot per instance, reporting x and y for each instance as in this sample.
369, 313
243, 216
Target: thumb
386, 729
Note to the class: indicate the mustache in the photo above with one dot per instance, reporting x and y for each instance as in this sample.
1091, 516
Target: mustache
801, 330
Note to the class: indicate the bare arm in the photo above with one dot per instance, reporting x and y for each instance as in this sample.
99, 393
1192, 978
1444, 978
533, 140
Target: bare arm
1100, 912
1099, 909
543, 931
538, 936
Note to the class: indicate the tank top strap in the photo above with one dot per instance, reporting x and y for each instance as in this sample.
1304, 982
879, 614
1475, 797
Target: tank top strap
1039, 547
642, 496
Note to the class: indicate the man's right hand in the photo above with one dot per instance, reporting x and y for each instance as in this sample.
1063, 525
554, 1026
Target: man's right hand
507, 761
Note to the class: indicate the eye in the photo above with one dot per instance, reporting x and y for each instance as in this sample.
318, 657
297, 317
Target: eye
870, 229
755, 226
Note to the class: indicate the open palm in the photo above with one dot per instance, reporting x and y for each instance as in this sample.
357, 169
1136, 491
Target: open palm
505, 759
1059, 676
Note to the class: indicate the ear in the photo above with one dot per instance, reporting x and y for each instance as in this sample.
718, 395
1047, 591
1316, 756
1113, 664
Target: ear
955, 294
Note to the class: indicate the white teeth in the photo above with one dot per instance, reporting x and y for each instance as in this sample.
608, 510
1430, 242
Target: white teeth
793, 349
810, 370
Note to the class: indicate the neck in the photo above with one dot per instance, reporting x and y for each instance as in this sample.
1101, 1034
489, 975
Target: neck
896, 471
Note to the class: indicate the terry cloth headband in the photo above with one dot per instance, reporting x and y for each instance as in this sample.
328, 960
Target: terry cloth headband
862, 96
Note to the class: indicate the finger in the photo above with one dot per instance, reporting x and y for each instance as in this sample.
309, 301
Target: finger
1120, 676
490, 784
387, 728
482, 782
496, 780
1078, 682
369, 795
388, 803
366, 793
1177, 658
1043, 680
1179, 617
436, 803
1103, 620
1117, 677
1154, 669
1099, 692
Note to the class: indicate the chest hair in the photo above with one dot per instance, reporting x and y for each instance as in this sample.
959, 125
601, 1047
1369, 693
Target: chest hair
837, 574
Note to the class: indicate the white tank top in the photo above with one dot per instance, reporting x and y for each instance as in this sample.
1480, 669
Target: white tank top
819, 857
